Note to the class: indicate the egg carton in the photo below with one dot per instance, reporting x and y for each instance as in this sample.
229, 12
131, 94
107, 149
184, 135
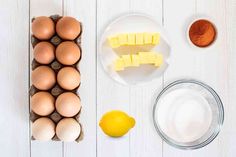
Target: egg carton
56, 90
56, 117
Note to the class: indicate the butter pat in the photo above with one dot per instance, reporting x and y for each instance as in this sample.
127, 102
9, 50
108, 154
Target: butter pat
143, 56
131, 39
135, 60
147, 38
139, 39
127, 60
119, 64
151, 57
123, 39
147, 57
113, 42
155, 38
158, 60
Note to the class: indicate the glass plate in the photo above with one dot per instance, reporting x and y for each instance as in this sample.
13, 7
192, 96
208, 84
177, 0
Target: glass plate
215, 105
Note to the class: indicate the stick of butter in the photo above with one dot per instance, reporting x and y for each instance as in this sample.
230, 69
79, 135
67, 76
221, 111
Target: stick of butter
135, 60
133, 39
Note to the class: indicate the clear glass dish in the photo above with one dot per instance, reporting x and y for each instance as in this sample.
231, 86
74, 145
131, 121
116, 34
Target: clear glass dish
215, 105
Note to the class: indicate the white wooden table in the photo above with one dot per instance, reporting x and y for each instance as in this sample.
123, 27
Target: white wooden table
99, 93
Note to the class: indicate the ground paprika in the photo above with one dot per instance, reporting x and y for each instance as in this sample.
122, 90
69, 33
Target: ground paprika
202, 33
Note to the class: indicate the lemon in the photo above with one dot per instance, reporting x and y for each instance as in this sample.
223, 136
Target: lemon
116, 123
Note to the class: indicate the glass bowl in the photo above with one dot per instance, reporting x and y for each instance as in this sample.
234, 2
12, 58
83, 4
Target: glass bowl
215, 106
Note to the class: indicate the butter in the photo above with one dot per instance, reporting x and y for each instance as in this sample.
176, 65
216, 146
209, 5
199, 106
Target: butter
119, 64
123, 39
155, 38
131, 39
127, 60
158, 60
139, 39
135, 60
147, 38
151, 57
143, 56
113, 42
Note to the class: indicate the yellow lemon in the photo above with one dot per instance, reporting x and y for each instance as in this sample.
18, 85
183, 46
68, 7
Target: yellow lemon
116, 123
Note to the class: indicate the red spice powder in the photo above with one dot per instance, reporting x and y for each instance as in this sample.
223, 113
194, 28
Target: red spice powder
202, 33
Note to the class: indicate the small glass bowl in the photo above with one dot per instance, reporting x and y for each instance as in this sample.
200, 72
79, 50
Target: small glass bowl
216, 107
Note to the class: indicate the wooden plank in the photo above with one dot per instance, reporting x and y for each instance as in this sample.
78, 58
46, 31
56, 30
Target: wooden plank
215, 67
81, 9
110, 95
144, 140
227, 140
14, 122
231, 40
46, 8
208, 65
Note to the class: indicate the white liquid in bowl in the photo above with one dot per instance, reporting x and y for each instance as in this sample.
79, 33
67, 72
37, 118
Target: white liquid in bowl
184, 115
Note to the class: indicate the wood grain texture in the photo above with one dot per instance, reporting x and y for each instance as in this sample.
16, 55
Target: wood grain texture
215, 66
14, 121
227, 139
45, 8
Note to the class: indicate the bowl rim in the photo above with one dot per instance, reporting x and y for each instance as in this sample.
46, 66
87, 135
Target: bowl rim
197, 18
216, 130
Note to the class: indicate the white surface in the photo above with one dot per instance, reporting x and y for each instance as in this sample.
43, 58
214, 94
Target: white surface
133, 23
215, 66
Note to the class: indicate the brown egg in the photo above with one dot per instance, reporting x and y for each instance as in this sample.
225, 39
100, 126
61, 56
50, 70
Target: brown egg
43, 129
44, 52
68, 104
68, 53
68, 28
43, 77
68, 78
43, 27
42, 103
68, 129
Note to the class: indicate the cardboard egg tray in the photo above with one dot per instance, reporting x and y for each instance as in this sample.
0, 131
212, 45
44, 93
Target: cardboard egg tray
56, 90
